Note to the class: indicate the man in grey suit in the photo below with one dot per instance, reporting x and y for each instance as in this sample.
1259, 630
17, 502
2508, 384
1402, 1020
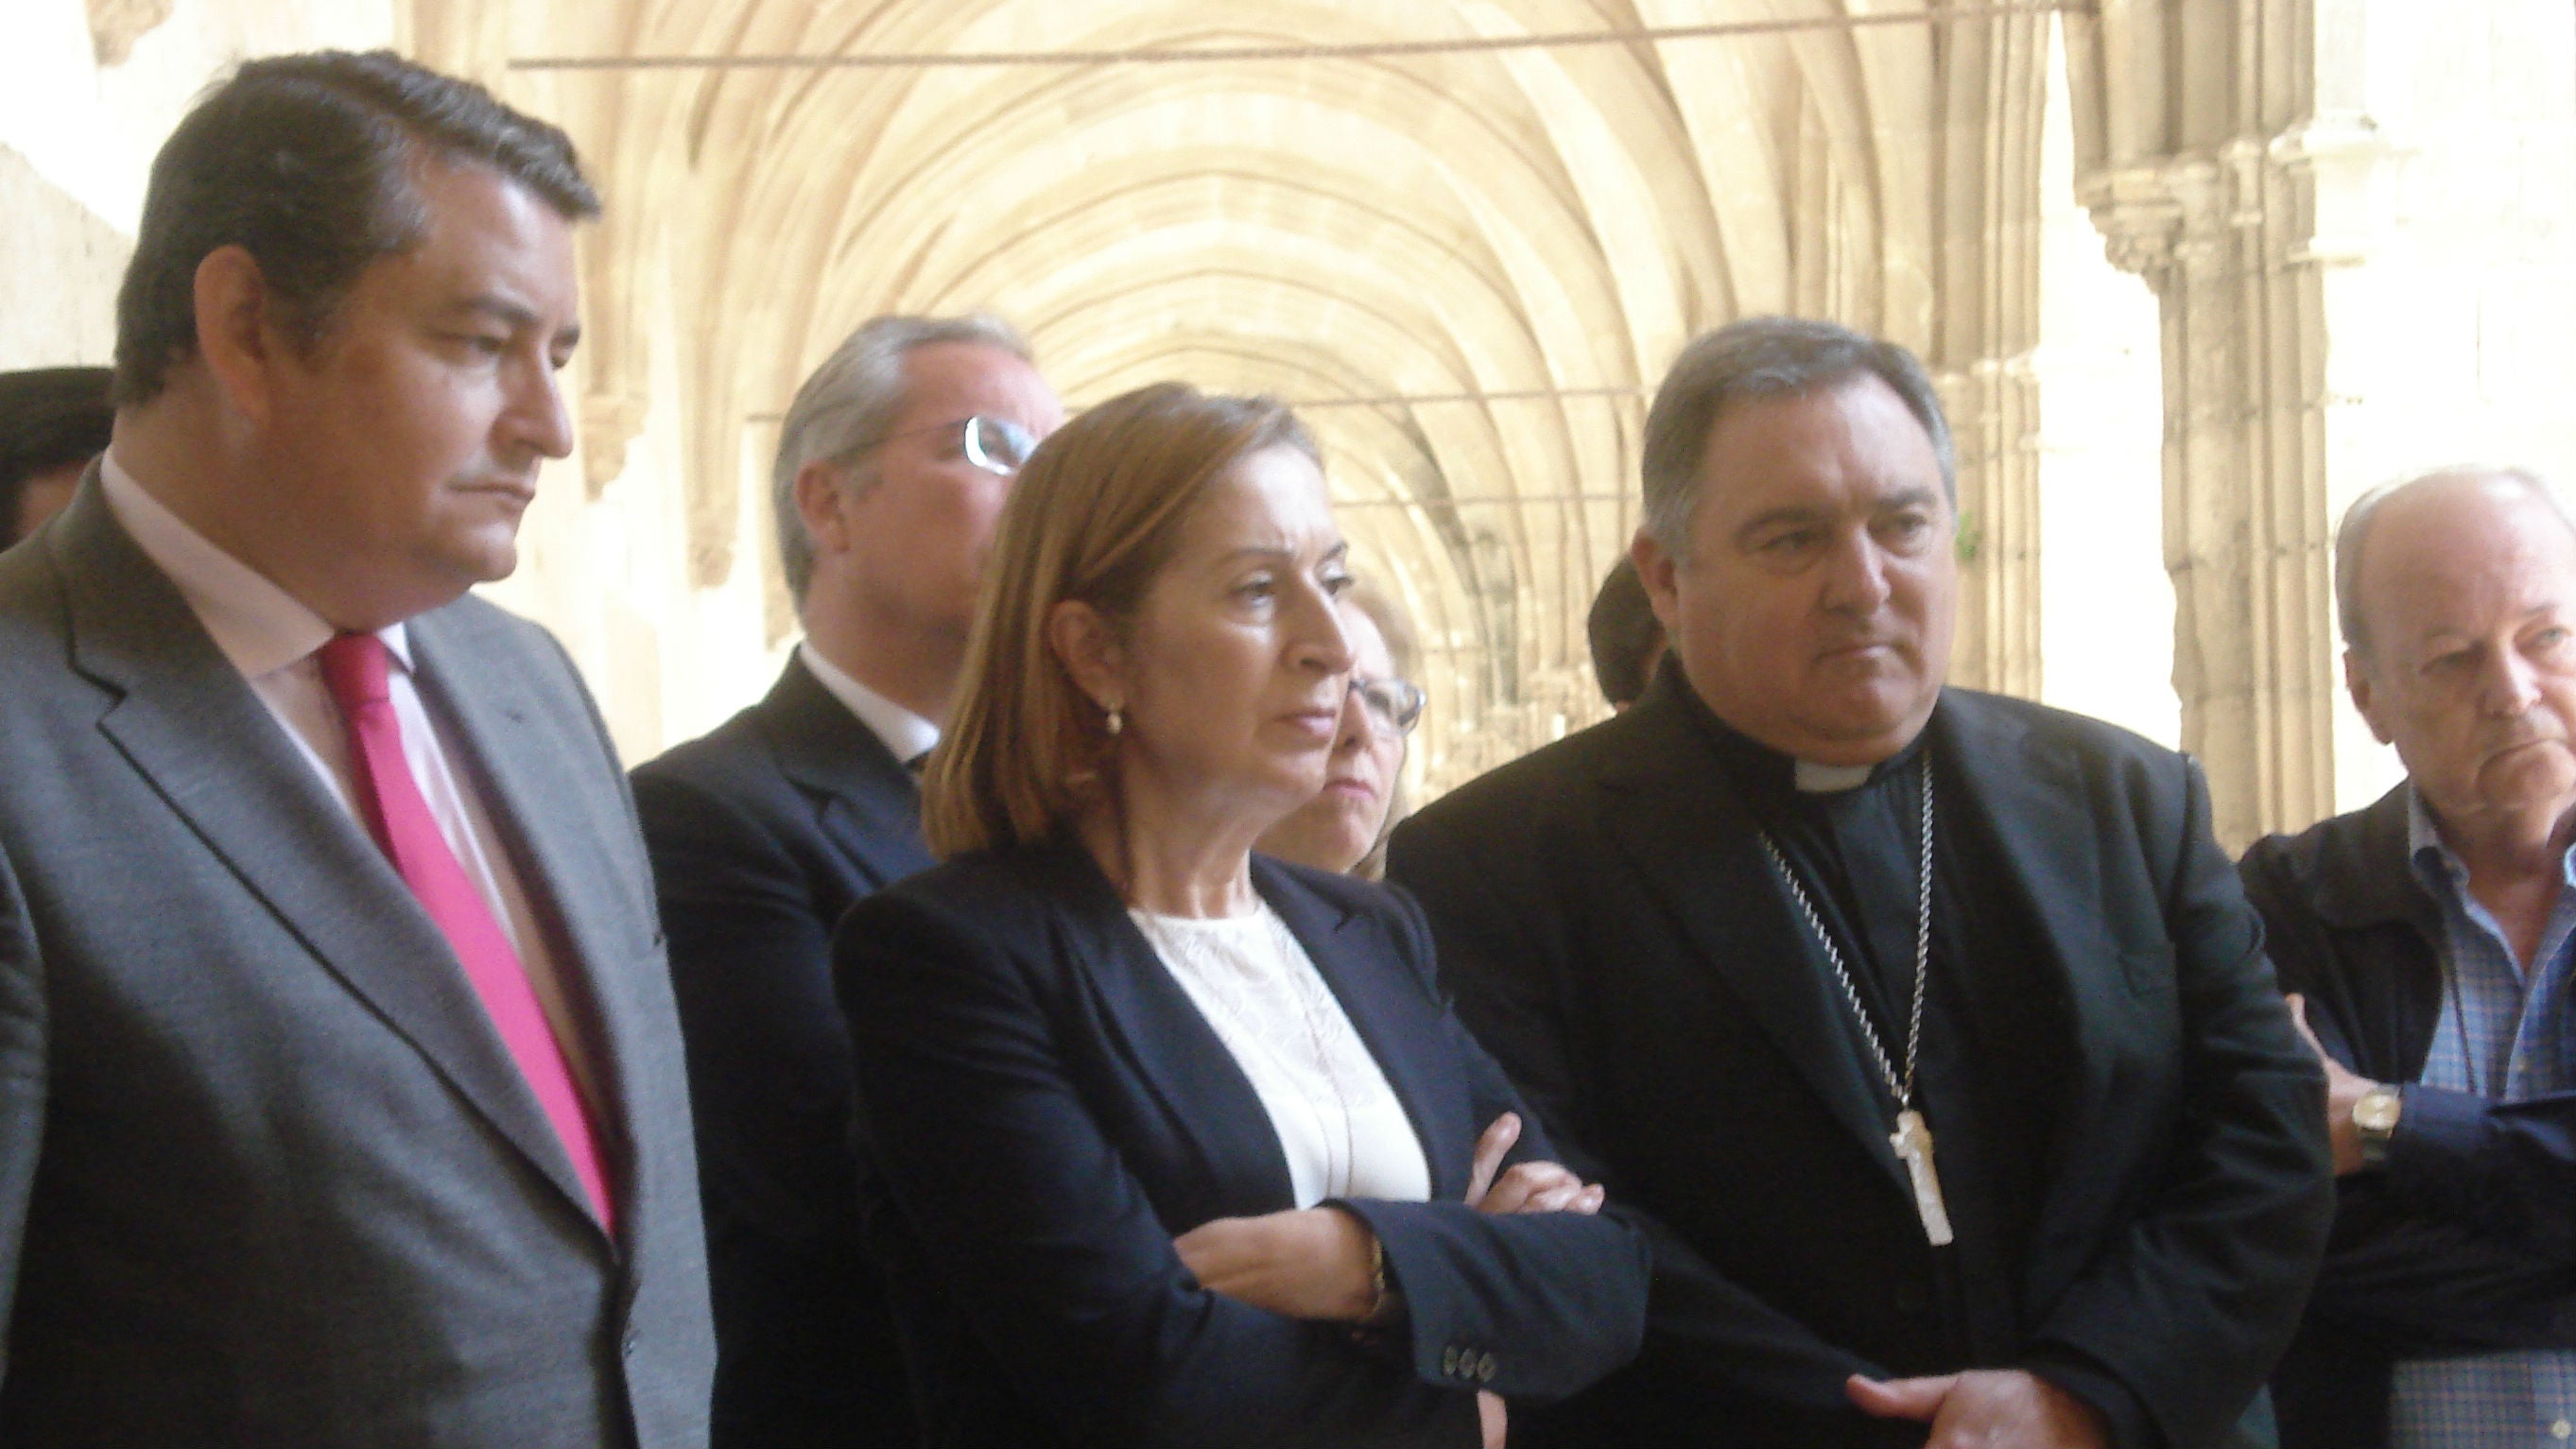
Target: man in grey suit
341, 1097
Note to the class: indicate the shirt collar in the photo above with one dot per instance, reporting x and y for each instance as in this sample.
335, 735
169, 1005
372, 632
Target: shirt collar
260, 627
1774, 778
2437, 867
907, 734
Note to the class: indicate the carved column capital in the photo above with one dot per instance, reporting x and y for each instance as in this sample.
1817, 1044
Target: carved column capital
2139, 215
115, 25
2180, 211
609, 421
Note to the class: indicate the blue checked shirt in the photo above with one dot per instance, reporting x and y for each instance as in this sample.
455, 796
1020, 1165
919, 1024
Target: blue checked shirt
2516, 1044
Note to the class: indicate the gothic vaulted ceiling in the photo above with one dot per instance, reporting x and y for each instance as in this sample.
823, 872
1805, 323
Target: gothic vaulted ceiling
1466, 255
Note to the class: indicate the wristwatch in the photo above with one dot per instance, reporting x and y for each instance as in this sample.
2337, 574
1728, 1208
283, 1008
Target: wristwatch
2374, 1120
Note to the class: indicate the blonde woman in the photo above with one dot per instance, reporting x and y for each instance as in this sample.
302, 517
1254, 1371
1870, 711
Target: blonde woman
1170, 1145
1344, 828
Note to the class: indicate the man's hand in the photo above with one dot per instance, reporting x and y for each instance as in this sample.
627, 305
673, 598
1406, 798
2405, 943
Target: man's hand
1313, 1263
2344, 1087
1491, 1418
1986, 1409
1528, 1187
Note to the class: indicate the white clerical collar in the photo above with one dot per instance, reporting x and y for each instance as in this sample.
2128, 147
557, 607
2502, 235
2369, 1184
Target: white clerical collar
907, 734
1818, 779
260, 627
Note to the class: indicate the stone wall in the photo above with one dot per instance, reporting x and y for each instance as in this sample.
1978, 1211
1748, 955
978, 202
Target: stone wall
59, 265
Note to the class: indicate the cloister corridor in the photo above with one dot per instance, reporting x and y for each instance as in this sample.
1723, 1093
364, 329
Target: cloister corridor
2191, 275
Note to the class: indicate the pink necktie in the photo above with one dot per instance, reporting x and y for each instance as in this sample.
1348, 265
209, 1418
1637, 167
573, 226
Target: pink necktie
353, 665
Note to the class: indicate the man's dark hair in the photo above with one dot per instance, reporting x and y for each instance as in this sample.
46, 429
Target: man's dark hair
50, 418
1625, 634
307, 161
1765, 357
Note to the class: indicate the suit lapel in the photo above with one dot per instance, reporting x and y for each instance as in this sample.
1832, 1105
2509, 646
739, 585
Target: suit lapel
1159, 1030
1677, 817
865, 801
557, 834
256, 804
1394, 1019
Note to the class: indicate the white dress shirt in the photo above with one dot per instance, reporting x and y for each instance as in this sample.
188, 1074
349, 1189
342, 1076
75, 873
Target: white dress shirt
271, 637
1340, 1126
907, 734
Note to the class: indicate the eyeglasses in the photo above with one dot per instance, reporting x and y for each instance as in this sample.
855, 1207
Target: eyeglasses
1394, 706
996, 445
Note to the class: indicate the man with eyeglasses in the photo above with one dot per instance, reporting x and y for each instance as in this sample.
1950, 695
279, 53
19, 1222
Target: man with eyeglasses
892, 465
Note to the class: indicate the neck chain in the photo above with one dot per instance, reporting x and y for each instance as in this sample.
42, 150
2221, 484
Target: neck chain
1912, 1139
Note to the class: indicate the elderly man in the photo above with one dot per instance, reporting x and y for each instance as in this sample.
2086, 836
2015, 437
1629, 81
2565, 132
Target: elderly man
1928, 1032
2431, 936
339, 1096
891, 469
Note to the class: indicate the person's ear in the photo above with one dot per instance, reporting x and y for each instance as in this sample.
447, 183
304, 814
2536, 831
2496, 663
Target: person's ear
238, 336
1656, 569
822, 501
1088, 648
2357, 680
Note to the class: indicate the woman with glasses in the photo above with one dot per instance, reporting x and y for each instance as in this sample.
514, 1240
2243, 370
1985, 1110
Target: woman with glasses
1344, 828
1172, 1144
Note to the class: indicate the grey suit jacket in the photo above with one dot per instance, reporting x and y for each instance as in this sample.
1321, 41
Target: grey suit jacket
268, 1176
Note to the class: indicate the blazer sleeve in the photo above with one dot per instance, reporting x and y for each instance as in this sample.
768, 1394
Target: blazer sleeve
1495, 953
1530, 1305
2410, 1282
2421, 1287
2191, 1306
22, 1082
1044, 1241
2506, 1168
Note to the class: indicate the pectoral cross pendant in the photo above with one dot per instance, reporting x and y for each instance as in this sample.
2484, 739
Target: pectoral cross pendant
1912, 1140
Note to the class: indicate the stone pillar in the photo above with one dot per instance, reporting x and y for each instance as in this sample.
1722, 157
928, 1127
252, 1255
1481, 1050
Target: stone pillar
2223, 236
1994, 420
1992, 82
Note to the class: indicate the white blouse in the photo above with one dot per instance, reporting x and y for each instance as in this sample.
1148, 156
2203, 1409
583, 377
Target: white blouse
1340, 1126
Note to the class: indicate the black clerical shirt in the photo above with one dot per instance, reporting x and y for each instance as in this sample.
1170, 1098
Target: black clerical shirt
1997, 1053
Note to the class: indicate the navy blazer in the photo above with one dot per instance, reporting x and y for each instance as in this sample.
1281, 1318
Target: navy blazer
762, 834
2462, 1245
1616, 935
1047, 1110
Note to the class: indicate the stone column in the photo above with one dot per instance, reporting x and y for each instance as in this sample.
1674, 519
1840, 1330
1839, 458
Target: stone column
1993, 408
1992, 104
2224, 237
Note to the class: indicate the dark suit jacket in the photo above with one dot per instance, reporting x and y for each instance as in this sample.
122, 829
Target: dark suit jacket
268, 1175
1605, 912
762, 834
1050, 1110
2462, 1245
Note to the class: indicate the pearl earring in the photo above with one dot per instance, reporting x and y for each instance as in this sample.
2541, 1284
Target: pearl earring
1117, 720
